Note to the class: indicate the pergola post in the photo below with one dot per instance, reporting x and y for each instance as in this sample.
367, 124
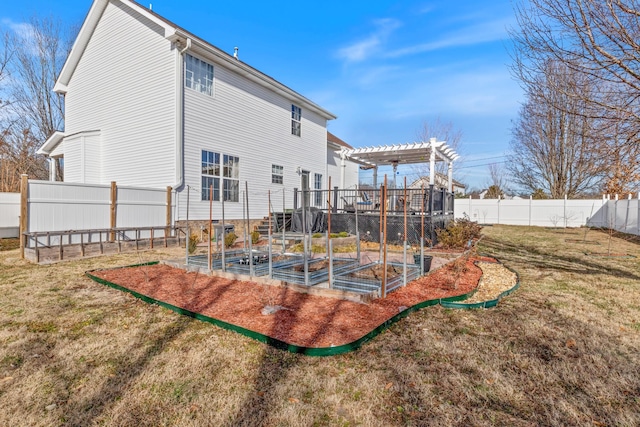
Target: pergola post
432, 162
450, 173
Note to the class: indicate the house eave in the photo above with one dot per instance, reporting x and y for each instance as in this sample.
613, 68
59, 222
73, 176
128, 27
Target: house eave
51, 143
207, 50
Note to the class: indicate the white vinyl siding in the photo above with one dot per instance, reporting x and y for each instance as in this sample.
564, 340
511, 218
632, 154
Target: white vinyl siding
124, 86
84, 152
246, 120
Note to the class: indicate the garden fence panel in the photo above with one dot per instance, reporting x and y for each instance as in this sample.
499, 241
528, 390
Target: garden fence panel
621, 215
9, 215
63, 206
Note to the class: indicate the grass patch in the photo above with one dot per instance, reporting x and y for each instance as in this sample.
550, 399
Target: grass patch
562, 350
9, 244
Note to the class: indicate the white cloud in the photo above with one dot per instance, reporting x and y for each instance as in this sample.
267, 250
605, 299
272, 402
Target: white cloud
468, 36
363, 49
22, 29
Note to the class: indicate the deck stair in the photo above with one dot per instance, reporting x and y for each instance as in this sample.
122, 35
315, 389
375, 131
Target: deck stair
276, 223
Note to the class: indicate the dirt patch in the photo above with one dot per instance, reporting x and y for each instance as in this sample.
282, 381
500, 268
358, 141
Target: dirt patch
308, 320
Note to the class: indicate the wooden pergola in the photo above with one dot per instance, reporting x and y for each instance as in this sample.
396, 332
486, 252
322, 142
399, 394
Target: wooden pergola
402, 154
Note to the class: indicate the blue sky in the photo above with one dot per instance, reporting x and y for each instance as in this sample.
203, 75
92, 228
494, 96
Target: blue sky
384, 67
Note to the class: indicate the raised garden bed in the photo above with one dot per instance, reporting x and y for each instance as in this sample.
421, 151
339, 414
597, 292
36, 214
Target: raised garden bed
317, 270
368, 278
309, 324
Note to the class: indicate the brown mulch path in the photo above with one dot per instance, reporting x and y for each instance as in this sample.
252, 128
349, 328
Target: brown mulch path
305, 320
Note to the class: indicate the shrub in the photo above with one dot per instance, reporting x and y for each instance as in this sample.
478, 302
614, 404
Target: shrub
459, 234
193, 243
230, 239
255, 236
317, 235
340, 234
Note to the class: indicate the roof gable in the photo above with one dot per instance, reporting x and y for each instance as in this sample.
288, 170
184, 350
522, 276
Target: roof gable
178, 35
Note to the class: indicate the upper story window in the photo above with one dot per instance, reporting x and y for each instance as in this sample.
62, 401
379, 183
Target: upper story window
277, 174
198, 75
296, 117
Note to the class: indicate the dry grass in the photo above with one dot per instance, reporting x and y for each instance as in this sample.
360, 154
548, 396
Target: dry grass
563, 350
8, 244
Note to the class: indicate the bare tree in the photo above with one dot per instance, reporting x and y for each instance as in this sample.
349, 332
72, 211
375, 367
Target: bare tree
33, 54
594, 38
555, 147
497, 176
443, 131
596, 42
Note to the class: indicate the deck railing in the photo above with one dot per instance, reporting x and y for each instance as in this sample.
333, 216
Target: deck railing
418, 201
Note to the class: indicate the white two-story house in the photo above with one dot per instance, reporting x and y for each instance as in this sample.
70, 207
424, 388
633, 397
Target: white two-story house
149, 104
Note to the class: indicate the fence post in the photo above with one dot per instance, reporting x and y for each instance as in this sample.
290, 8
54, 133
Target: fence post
24, 212
295, 198
166, 232
530, 207
498, 209
114, 197
334, 208
564, 211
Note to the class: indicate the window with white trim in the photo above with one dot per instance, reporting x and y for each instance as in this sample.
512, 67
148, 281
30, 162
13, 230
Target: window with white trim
198, 75
317, 185
277, 174
210, 175
296, 119
231, 181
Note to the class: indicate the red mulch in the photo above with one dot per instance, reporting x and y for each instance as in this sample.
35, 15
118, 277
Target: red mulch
307, 320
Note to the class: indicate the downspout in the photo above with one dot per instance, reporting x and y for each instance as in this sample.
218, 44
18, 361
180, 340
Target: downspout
180, 118
180, 134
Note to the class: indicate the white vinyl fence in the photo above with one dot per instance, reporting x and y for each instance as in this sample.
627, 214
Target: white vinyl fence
9, 215
621, 215
61, 206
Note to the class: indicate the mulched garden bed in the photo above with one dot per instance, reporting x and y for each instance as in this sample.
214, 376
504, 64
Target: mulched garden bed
304, 320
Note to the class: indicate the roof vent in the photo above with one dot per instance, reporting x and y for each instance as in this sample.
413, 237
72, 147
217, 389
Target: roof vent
235, 52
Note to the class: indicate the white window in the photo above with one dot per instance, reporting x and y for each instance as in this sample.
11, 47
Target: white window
210, 175
317, 185
296, 117
277, 174
198, 75
231, 182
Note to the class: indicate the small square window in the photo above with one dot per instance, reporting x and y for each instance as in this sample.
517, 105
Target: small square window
277, 174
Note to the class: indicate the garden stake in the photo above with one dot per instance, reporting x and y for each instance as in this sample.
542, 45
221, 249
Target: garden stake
383, 291
246, 194
224, 240
209, 260
269, 237
404, 243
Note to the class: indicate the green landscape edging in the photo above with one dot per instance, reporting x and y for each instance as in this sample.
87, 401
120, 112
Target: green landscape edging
486, 304
274, 342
